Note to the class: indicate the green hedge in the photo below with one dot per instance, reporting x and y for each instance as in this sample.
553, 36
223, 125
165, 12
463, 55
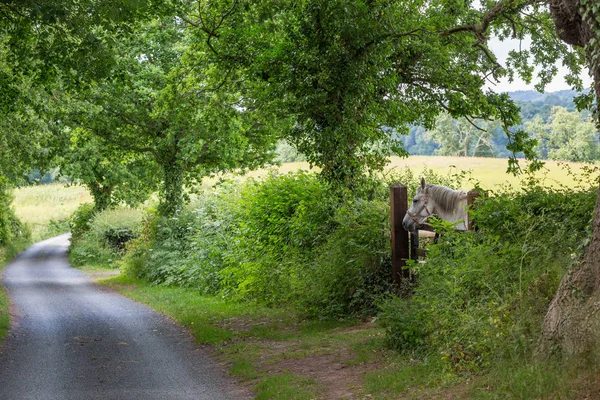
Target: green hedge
483, 294
12, 230
100, 238
290, 241
284, 240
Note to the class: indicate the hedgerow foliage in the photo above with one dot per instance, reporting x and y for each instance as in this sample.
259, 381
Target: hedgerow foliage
281, 240
11, 228
289, 240
483, 294
99, 238
79, 222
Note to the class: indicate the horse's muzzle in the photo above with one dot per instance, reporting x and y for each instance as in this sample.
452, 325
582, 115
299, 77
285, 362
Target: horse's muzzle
409, 224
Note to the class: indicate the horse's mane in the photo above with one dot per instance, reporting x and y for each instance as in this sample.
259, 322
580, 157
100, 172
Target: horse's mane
447, 199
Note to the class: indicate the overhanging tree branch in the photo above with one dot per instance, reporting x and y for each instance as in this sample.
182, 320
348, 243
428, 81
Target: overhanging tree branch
499, 10
126, 146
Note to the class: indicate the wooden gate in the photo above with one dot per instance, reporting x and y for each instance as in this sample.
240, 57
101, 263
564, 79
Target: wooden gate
402, 242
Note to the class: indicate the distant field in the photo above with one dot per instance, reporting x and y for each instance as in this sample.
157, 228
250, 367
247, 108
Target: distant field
38, 205
489, 172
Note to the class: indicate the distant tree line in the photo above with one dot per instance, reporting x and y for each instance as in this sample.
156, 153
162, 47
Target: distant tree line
561, 132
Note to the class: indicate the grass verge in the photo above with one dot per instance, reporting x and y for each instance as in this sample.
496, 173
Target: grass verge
270, 350
281, 356
6, 255
4, 313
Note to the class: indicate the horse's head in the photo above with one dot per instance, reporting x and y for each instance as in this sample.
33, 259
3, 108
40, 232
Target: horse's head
419, 210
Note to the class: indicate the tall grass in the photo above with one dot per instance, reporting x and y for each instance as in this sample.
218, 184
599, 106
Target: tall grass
491, 172
38, 205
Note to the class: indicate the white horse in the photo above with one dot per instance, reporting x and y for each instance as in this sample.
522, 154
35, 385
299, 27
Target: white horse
449, 205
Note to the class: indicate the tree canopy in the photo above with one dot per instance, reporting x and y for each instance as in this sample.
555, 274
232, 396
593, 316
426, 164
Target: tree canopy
200, 92
41, 41
163, 100
348, 70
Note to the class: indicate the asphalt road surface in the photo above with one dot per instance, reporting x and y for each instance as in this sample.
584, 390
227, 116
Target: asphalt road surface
72, 340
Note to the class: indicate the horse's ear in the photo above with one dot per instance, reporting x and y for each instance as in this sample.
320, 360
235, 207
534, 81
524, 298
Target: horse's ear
423, 183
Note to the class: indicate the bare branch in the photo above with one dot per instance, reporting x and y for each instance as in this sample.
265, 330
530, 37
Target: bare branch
474, 124
212, 30
199, 92
189, 21
490, 16
489, 55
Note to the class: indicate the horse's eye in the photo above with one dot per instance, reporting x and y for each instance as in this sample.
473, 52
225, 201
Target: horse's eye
415, 201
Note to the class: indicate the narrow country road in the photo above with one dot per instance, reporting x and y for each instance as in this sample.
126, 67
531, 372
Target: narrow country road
72, 340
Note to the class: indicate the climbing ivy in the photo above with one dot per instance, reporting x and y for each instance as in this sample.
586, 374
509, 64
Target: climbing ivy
590, 12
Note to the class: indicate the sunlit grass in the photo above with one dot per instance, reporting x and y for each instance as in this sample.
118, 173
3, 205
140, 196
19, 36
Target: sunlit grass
38, 205
286, 387
489, 172
207, 317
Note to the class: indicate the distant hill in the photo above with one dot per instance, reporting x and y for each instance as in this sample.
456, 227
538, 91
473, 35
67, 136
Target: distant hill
535, 96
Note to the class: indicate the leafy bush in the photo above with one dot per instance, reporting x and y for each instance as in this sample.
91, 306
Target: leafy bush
236, 239
279, 221
159, 254
352, 269
283, 239
214, 238
106, 235
115, 227
11, 228
79, 222
485, 292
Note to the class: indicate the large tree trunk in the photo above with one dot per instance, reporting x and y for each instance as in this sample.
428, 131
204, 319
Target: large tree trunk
171, 195
572, 324
101, 194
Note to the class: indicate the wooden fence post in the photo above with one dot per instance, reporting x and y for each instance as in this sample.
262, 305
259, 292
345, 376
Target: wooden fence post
399, 236
472, 195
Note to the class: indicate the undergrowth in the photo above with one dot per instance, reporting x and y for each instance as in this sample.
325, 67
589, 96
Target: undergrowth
281, 240
14, 238
481, 295
99, 238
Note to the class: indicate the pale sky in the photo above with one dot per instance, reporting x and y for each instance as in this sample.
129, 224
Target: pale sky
501, 50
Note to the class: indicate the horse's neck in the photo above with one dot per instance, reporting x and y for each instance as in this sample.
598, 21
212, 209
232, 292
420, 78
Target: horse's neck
459, 215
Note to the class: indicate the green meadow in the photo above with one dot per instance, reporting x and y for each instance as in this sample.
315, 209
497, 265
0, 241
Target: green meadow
38, 205
44, 208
